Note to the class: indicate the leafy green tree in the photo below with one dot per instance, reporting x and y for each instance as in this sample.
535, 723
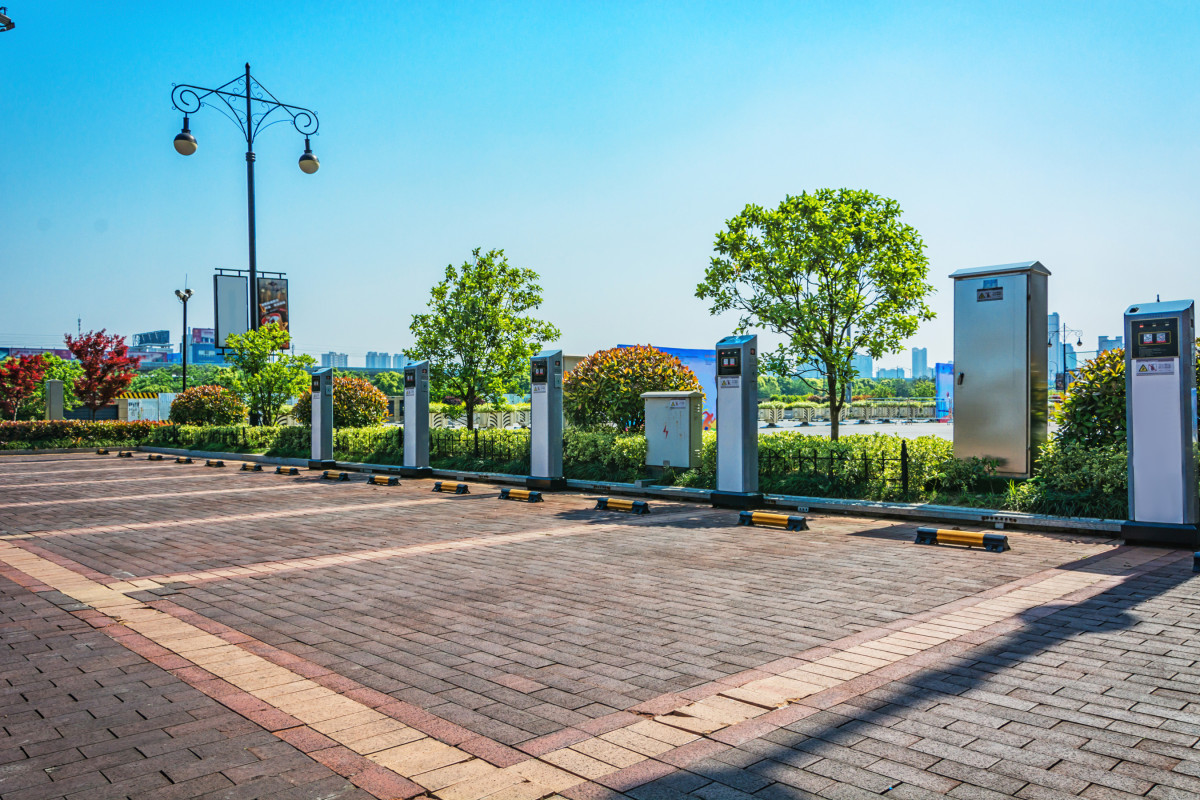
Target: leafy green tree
606, 387
923, 387
476, 334
57, 369
390, 383
834, 272
267, 375
768, 386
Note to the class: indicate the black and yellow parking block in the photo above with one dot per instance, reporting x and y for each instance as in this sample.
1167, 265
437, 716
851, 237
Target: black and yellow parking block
248, 467
125, 454
101, 451
334, 475
183, 460
992, 542
791, 522
384, 480
214, 462
451, 488
287, 470
524, 495
621, 504
155, 457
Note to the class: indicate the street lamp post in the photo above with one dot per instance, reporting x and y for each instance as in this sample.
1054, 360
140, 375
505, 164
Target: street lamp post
1062, 332
184, 296
189, 99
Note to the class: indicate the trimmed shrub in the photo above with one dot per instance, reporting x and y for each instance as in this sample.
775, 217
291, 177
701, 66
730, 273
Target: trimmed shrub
356, 404
1076, 479
36, 435
208, 405
606, 387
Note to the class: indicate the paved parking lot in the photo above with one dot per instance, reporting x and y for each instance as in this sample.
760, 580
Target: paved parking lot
177, 631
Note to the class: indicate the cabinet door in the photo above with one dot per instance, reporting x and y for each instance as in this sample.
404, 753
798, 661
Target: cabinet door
991, 371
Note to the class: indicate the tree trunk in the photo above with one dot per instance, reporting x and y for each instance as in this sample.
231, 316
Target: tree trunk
469, 404
835, 405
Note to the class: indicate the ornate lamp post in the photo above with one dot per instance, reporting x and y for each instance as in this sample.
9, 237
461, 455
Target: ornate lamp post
1062, 332
251, 119
184, 296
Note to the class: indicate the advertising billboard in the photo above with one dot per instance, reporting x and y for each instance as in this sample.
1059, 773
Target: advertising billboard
151, 337
273, 302
703, 363
232, 310
204, 335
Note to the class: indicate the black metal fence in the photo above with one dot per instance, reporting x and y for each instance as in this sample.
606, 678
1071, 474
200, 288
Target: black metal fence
862, 470
505, 450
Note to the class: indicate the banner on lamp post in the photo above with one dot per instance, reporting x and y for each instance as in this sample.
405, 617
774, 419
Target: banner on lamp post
273, 302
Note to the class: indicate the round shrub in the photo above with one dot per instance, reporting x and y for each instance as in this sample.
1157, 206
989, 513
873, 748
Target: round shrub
606, 387
356, 404
208, 405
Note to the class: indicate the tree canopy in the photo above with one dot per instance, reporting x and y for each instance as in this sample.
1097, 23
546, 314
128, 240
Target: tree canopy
108, 369
266, 375
834, 272
476, 334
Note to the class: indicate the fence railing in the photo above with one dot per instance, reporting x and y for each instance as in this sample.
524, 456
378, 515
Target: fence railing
847, 469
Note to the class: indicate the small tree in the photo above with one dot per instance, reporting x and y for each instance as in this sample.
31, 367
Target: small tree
607, 386
390, 383
57, 369
208, 405
108, 369
267, 375
835, 272
19, 380
356, 404
476, 335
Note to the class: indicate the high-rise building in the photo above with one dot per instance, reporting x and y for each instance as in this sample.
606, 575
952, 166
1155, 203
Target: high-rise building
889, 374
1054, 353
399, 361
920, 363
863, 365
1110, 343
378, 360
332, 359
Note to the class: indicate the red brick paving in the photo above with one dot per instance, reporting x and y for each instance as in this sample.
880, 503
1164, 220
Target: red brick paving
538, 643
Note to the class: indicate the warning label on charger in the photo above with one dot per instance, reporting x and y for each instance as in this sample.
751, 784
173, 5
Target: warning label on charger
1153, 366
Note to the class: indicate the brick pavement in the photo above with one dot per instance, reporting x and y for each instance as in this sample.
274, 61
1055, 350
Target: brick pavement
516, 651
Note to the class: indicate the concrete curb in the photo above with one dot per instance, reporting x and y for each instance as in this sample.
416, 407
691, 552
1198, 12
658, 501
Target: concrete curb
917, 512
61, 450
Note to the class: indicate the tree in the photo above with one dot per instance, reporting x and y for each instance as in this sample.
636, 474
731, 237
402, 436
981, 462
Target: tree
476, 335
108, 369
923, 387
57, 369
356, 404
607, 386
835, 272
267, 375
19, 380
390, 383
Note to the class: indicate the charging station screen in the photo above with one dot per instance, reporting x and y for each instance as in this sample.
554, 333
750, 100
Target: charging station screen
1156, 338
729, 362
410, 379
316, 384
539, 371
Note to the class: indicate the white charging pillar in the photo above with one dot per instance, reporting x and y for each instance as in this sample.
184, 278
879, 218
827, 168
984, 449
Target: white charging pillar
322, 420
546, 421
1160, 423
416, 420
737, 422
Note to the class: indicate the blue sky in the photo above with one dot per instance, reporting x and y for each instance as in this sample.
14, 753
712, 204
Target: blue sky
602, 144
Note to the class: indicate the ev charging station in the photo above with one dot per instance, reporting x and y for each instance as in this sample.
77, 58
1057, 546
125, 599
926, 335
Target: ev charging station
546, 421
1160, 423
416, 421
737, 423
322, 420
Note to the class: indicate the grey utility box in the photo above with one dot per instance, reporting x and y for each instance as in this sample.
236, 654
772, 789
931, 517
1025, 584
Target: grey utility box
54, 400
1000, 388
674, 425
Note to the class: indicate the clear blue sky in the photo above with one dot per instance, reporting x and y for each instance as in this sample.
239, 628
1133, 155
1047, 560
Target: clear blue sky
602, 144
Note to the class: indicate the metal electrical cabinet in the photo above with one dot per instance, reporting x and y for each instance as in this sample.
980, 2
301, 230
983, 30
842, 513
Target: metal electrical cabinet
416, 420
1000, 389
674, 427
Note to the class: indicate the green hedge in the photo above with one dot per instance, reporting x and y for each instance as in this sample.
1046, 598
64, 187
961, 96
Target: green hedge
61, 434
